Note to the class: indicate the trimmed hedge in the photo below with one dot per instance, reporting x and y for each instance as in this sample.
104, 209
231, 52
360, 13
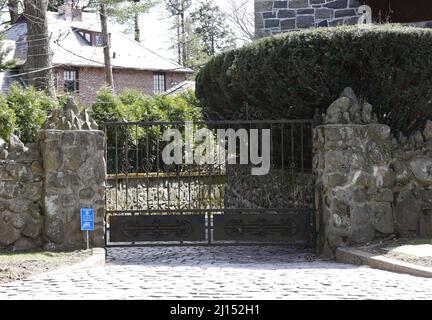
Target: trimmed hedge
291, 75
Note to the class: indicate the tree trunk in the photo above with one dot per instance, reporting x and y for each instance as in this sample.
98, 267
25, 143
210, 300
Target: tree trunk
13, 10
183, 38
38, 65
109, 79
179, 45
137, 28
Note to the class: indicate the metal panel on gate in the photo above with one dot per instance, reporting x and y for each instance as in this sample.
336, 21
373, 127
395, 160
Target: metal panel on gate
150, 202
287, 228
157, 228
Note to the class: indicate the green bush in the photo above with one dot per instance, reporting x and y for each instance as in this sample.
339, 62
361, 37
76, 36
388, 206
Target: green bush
134, 106
124, 142
291, 75
31, 108
7, 120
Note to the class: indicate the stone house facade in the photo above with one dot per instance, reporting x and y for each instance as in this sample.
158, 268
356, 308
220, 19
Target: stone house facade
275, 16
78, 57
272, 17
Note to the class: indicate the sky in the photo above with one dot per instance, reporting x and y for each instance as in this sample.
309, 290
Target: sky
155, 27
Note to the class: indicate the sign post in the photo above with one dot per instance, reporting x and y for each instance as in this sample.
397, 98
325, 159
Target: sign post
87, 223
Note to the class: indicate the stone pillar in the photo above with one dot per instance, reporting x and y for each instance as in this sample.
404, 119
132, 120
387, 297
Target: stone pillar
352, 164
74, 174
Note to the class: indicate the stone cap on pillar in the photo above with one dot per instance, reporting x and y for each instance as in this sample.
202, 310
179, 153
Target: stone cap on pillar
348, 109
70, 118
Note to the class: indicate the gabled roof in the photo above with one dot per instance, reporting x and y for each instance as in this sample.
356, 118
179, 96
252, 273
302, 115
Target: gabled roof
69, 48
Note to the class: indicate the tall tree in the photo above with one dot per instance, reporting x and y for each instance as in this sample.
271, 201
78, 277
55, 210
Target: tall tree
211, 26
242, 19
124, 11
109, 79
195, 56
14, 13
178, 10
84, 4
12, 7
128, 12
38, 66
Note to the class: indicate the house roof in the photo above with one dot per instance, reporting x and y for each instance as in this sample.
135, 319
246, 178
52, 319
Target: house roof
69, 48
181, 87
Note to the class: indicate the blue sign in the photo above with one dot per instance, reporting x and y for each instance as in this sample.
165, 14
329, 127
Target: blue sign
87, 219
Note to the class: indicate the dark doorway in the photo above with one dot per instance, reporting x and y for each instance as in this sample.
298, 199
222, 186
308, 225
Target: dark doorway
401, 11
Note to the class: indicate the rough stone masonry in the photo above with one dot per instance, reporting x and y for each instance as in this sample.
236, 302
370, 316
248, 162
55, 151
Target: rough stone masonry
21, 187
44, 185
373, 185
274, 16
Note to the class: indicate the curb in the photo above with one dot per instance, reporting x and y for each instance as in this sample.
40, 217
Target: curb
96, 259
358, 257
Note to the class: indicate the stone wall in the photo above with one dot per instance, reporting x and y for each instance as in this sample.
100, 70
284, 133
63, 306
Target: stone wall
235, 189
21, 214
44, 185
373, 186
165, 192
278, 189
412, 169
274, 16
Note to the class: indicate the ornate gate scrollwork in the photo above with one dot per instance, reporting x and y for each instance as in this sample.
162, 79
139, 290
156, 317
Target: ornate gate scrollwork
259, 227
157, 228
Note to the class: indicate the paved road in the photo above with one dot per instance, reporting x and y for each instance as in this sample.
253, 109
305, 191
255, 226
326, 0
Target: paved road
219, 273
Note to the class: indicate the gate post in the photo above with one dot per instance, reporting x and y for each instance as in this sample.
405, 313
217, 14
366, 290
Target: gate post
73, 153
354, 178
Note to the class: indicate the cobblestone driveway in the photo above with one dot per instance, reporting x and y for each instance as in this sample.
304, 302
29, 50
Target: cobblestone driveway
221, 273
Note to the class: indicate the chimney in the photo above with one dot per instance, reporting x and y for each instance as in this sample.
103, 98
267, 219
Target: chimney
70, 11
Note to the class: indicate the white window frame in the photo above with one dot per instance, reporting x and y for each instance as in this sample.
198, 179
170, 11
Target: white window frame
70, 76
159, 82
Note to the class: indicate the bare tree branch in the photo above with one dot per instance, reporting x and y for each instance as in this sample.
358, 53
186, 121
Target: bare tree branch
242, 20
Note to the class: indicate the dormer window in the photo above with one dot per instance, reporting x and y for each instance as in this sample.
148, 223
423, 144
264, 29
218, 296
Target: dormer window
93, 38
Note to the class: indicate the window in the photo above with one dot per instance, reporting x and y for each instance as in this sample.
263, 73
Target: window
93, 38
159, 82
86, 35
98, 40
70, 78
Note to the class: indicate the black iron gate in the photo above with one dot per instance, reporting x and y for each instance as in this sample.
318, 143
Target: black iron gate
151, 201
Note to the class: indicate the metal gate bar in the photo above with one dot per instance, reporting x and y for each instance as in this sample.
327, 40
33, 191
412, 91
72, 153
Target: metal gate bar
267, 210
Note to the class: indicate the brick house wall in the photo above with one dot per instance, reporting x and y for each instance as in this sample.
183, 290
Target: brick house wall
273, 16
91, 80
